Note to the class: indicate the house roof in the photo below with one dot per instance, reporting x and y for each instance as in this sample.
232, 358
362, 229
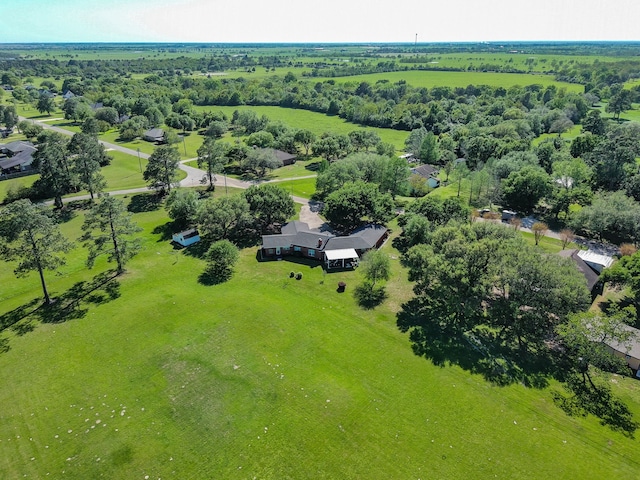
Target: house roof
299, 234
425, 170
154, 133
632, 347
18, 146
589, 274
187, 233
590, 256
21, 158
284, 156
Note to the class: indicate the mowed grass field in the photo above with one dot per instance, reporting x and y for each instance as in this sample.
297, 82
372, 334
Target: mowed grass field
266, 377
318, 123
430, 79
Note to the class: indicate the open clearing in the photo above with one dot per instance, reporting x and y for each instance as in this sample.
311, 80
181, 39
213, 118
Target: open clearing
265, 377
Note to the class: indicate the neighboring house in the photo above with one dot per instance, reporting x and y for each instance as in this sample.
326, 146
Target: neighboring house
123, 118
68, 94
298, 239
16, 157
591, 276
409, 157
430, 173
595, 260
5, 132
186, 238
629, 351
154, 135
96, 106
285, 157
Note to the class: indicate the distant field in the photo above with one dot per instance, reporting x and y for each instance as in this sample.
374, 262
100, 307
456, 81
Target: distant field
430, 79
316, 122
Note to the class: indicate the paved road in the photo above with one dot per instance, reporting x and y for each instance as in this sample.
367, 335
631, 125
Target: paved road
309, 212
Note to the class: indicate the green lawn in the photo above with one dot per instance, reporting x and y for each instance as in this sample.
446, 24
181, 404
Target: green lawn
267, 377
304, 188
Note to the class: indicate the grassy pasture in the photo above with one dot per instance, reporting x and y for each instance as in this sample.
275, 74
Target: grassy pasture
263, 376
318, 123
430, 79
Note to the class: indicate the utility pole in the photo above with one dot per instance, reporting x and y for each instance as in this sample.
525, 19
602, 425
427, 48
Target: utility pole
184, 144
139, 161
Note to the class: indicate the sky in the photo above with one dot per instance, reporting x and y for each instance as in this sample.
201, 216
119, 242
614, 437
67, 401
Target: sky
322, 21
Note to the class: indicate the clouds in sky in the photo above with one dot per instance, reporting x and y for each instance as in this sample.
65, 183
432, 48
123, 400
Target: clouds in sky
317, 21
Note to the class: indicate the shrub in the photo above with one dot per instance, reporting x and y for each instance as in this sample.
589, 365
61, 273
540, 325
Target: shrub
292, 274
627, 249
299, 276
368, 295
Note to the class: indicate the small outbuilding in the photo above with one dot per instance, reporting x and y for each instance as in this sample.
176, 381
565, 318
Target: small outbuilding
186, 238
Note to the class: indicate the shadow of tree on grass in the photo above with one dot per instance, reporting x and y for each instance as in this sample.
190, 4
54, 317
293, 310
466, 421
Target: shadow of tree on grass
481, 352
144, 202
477, 351
599, 401
70, 305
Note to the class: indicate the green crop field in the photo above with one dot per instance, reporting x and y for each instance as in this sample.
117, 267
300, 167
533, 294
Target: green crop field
264, 376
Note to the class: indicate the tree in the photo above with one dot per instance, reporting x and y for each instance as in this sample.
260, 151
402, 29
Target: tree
375, 266
45, 103
357, 203
587, 335
566, 237
32, 238
260, 160
182, 206
162, 169
55, 174
76, 109
619, 103
108, 229
611, 215
29, 129
88, 154
261, 139
8, 116
107, 114
212, 157
223, 217
268, 205
414, 140
306, 138
539, 230
594, 123
221, 259
429, 152
625, 272
396, 177
522, 190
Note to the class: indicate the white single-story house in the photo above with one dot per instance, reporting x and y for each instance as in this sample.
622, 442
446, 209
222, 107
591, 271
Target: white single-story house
186, 238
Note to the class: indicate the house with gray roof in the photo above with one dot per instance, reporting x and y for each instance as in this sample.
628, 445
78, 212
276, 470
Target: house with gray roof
297, 239
16, 157
285, 157
154, 135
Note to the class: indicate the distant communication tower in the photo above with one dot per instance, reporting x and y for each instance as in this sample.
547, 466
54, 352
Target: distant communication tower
416, 42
